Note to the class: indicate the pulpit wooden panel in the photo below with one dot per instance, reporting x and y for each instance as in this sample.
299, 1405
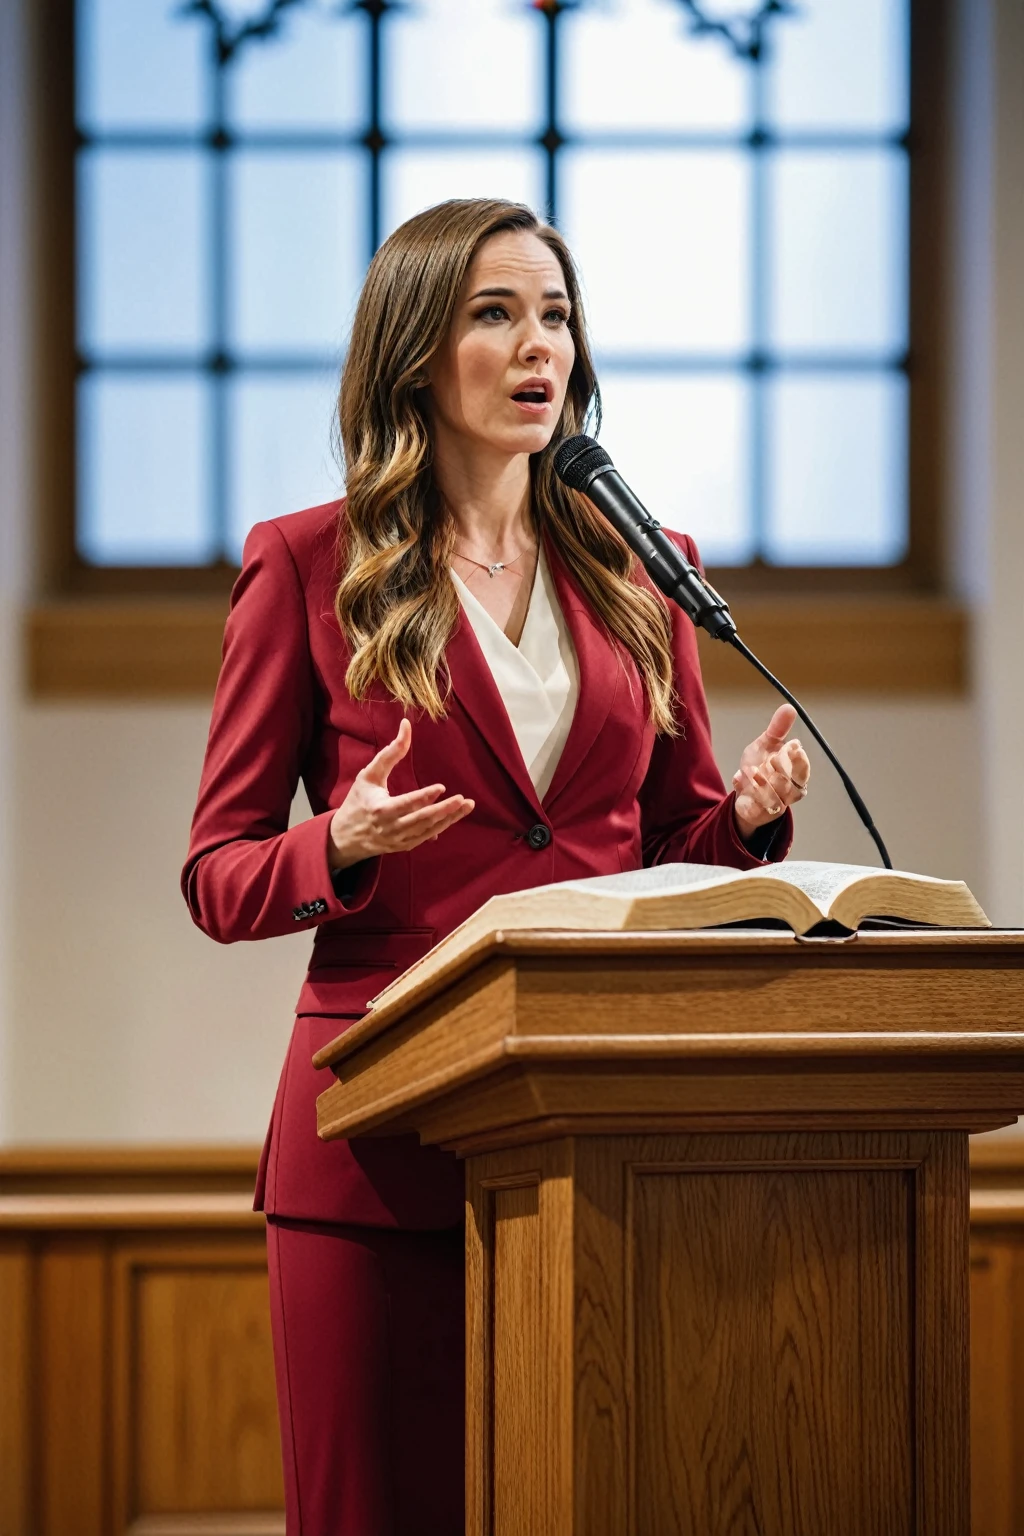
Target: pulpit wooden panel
731, 1334
785, 1289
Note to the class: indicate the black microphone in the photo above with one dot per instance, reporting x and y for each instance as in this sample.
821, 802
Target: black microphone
583, 465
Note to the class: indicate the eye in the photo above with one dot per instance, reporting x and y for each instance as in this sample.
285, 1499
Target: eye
493, 313
557, 317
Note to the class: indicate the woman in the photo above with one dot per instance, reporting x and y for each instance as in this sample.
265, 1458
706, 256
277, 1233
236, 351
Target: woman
481, 693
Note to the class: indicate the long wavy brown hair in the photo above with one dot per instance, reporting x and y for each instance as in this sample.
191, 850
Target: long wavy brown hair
396, 603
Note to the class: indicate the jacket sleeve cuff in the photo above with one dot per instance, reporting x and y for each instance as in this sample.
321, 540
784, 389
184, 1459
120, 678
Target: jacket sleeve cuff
338, 893
768, 844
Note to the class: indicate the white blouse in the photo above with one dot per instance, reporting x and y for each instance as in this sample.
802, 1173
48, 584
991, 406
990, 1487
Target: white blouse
538, 679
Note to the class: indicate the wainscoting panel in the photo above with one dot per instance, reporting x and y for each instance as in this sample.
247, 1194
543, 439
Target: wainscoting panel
135, 1355
136, 1373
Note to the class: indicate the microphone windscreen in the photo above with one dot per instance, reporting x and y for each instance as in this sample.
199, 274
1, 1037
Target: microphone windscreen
578, 460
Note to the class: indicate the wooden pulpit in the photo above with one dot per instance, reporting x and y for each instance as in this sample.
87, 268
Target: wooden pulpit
717, 1202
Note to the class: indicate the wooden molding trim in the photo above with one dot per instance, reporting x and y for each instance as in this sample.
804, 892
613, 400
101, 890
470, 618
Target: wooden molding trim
208, 1525
157, 648
146, 648
127, 1170
844, 645
196, 1209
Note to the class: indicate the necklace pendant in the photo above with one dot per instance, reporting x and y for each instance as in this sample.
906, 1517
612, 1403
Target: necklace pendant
499, 565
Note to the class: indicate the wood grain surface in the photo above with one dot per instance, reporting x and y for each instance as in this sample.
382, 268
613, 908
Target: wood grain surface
766, 1334
74, 1384
156, 647
197, 1408
16, 1387
518, 1364
691, 1025
732, 962
766, 1311
136, 1375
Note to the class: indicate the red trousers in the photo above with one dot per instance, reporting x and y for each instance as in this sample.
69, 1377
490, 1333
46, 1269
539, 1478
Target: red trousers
369, 1351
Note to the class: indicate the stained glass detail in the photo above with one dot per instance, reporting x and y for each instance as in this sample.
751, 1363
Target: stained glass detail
634, 64
842, 65
464, 67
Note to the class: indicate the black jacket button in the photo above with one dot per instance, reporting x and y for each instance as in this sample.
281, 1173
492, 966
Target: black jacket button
539, 836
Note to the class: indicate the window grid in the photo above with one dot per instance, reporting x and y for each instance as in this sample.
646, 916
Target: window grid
220, 141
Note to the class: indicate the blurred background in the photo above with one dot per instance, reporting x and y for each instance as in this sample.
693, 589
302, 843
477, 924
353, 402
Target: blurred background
801, 235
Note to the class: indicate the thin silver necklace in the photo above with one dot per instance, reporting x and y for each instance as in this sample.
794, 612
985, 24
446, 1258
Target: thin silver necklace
498, 565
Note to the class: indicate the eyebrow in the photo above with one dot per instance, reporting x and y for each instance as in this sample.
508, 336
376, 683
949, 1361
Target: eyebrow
510, 293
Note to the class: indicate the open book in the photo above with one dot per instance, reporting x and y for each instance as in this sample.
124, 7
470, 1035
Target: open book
671, 896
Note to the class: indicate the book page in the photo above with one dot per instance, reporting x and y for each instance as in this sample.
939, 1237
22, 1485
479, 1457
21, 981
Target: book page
660, 878
821, 882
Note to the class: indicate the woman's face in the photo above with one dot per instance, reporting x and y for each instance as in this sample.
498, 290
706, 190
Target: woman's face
499, 379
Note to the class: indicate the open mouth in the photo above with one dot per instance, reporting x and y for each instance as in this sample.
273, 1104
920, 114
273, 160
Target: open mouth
534, 392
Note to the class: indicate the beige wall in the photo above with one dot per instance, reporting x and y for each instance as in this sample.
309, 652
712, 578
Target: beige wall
119, 1021
131, 1025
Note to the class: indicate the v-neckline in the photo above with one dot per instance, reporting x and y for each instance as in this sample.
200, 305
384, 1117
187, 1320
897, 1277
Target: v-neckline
464, 591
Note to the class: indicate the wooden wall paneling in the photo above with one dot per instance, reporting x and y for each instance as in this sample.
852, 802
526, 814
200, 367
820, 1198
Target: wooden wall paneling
996, 1297
72, 1363
16, 1334
195, 1430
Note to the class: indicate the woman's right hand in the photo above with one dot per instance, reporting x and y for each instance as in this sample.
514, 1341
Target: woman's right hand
369, 821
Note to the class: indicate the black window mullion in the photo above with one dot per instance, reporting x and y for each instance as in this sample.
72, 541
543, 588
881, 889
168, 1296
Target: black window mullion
374, 138
220, 260
759, 346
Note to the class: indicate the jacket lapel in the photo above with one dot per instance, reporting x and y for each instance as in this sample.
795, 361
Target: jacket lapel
474, 686
600, 674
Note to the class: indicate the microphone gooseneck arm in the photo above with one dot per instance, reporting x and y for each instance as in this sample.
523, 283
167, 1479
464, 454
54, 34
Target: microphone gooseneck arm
585, 466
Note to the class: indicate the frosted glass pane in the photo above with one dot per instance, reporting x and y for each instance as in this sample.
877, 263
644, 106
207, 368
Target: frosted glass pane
841, 64
414, 179
142, 242
662, 238
634, 64
143, 471
682, 444
280, 446
452, 64
839, 264
140, 64
837, 471
311, 74
299, 241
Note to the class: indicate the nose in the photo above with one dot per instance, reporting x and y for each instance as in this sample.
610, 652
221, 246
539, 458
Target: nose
535, 345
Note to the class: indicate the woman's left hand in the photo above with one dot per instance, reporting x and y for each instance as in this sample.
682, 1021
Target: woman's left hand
773, 774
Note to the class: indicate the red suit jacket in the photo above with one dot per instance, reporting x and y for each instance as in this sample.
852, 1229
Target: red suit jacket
620, 798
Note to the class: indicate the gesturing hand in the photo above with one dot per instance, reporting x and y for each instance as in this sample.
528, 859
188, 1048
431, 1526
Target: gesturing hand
369, 821
773, 773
